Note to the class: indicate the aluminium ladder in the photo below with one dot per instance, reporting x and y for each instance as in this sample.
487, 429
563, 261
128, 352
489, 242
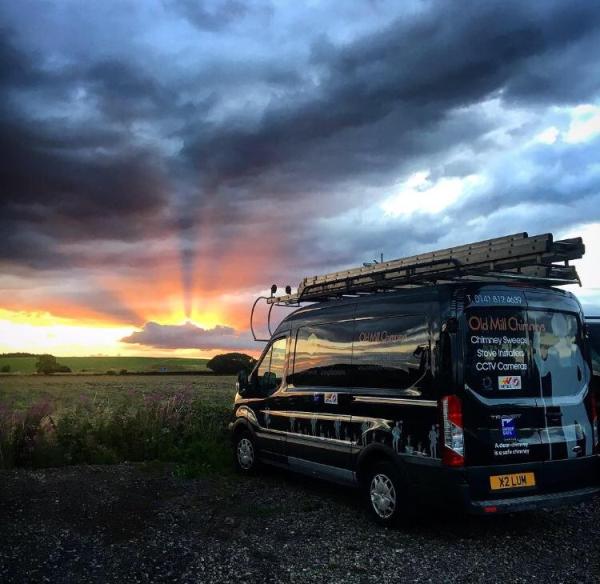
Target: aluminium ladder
537, 259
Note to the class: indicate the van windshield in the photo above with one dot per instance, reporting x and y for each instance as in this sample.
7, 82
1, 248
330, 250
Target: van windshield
517, 352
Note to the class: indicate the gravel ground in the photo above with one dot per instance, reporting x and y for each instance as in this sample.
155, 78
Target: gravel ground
131, 523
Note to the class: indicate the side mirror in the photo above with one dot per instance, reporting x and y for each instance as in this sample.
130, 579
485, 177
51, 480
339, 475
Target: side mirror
242, 384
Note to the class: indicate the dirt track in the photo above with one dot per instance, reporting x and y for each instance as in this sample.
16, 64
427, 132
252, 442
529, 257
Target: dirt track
140, 524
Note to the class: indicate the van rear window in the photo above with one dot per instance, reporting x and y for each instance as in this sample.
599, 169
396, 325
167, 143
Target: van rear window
524, 352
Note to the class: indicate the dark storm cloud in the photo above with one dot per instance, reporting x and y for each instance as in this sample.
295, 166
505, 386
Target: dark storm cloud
410, 75
16, 68
51, 194
125, 92
377, 103
209, 16
190, 336
545, 189
564, 174
64, 181
226, 122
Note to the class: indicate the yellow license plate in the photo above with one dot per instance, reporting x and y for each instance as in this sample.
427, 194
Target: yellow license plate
516, 480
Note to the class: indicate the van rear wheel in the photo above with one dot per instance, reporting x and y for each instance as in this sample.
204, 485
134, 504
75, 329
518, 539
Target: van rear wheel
385, 494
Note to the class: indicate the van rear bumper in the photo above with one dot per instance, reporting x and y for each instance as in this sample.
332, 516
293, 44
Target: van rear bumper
530, 502
561, 482
558, 482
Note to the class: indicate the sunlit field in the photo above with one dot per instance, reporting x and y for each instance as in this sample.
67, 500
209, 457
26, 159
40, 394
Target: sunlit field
109, 364
59, 420
19, 392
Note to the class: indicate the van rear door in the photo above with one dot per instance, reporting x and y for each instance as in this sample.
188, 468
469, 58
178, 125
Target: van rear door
526, 382
562, 371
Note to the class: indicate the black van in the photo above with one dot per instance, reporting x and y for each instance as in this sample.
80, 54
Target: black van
468, 395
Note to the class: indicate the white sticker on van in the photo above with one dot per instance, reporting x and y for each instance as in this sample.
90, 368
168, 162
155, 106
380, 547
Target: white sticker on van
509, 382
331, 398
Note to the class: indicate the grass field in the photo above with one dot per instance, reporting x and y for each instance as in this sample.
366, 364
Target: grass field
103, 364
17, 392
58, 420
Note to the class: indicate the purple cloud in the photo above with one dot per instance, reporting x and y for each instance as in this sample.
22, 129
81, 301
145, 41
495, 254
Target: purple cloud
190, 336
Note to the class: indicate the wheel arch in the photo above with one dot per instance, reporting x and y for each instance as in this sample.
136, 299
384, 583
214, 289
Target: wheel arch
370, 456
241, 426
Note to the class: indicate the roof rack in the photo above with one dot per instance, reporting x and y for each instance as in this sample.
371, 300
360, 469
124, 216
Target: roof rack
537, 259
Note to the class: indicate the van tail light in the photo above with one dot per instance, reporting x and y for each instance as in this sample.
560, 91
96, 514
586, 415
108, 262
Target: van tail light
453, 450
595, 424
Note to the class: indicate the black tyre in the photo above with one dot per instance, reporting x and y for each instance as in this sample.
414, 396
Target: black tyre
245, 453
386, 495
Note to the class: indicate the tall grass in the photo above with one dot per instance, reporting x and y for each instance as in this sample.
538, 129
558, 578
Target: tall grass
168, 427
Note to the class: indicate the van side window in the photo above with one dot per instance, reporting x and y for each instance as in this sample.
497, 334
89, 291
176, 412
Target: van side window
323, 355
392, 353
270, 370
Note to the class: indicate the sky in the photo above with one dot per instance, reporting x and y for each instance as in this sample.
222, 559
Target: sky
164, 162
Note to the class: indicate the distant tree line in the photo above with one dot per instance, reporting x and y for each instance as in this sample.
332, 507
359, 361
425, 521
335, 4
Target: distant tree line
45, 364
226, 364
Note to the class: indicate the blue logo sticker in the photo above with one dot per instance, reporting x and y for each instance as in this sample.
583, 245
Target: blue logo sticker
509, 430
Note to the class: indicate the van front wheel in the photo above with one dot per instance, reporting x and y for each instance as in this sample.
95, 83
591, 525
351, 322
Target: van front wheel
385, 494
245, 453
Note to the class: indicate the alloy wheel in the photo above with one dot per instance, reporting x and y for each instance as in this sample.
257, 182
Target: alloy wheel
245, 453
383, 495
